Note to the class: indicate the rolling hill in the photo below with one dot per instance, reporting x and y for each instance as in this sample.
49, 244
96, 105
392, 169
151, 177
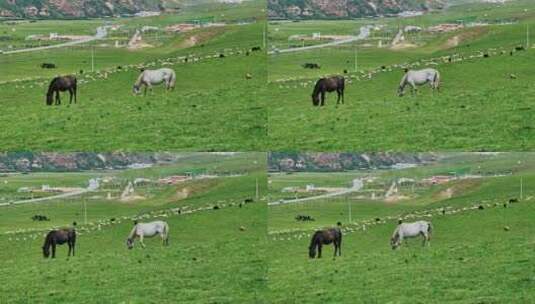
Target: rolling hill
79, 8
343, 9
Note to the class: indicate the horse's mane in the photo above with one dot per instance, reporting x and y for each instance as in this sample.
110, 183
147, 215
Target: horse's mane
133, 231
404, 80
140, 78
48, 238
52, 86
314, 239
396, 232
317, 87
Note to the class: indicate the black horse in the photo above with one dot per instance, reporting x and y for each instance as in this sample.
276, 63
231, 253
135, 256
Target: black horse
48, 66
59, 237
326, 237
61, 84
331, 84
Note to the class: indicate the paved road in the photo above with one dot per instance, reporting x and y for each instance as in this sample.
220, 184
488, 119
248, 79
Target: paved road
102, 32
364, 33
91, 187
357, 186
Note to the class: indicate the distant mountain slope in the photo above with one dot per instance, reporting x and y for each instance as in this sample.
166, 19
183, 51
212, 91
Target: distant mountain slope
335, 9
35, 162
325, 162
79, 8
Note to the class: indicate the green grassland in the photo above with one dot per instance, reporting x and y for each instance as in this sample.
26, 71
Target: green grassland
474, 108
215, 256
210, 92
482, 256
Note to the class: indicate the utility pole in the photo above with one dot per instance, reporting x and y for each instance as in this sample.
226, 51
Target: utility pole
264, 38
349, 207
257, 192
93, 59
356, 57
527, 36
521, 189
85, 212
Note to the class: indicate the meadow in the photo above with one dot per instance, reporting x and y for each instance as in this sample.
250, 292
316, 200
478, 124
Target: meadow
474, 108
480, 252
208, 61
214, 256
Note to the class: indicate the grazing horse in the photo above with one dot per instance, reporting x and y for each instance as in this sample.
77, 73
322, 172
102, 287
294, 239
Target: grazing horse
59, 237
331, 84
419, 78
311, 66
148, 78
61, 84
48, 66
409, 230
326, 237
151, 229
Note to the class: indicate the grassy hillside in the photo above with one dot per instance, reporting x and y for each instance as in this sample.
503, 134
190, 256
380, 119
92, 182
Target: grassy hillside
215, 255
480, 254
190, 118
473, 109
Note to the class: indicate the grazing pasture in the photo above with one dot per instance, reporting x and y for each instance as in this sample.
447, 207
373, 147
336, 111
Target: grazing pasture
213, 255
485, 91
474, 253
108, 116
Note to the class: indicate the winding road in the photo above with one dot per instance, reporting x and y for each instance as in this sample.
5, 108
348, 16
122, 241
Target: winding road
90, 188
364, 33
102, 32
357, 186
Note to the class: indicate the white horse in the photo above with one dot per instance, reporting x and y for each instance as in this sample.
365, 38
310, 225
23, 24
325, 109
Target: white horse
149, 78
409, 230
419, 78
151, 229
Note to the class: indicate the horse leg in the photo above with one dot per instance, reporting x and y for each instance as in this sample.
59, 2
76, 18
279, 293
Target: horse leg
58, 99
424, 238
70, 96
145, 92
141, 241
319, 251
338, 93
335, 249
322, 99
53, 250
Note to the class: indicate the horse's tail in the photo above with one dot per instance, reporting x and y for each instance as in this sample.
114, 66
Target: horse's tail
436, 81
166, 233
172, 81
